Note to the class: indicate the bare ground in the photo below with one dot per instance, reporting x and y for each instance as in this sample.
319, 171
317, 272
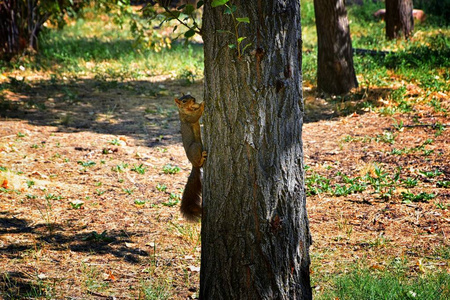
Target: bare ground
77, 219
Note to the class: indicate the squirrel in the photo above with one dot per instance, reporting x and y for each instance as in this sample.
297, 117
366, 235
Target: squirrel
190, 113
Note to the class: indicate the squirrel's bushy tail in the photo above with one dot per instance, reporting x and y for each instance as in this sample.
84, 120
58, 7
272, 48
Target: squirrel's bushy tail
191, 202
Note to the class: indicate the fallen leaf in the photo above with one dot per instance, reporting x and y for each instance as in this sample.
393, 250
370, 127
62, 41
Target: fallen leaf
194, 269
109, 276
377, 267
36, 173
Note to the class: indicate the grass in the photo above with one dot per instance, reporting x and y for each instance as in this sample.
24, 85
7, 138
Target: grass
424, 59
394, 279
363, 283
170, 169
156, 289
139, 169
376, 179
87, 47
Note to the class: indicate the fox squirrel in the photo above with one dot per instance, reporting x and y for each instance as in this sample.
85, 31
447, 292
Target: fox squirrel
190, 113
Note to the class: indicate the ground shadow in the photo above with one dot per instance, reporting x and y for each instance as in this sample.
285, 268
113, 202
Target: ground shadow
113, 242
324, 107
14, 225
18, 285
57, 237
141, 109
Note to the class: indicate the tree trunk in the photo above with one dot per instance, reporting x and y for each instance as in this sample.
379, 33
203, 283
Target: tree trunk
399, 18
335, 71
255, 234
20, 24
9, 31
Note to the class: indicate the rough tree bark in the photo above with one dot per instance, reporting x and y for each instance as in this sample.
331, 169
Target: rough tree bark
255, 234
399, 18
335, 71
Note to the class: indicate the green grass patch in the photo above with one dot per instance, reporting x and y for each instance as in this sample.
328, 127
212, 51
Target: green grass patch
91, 47
391, 283
421, 197
379, 181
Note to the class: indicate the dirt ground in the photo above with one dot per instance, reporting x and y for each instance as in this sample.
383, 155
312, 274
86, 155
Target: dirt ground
89, 209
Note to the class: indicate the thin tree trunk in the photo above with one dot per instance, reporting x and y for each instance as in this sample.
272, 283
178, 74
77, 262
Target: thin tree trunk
399, 18
255, 234
9, 32
335, 71
20, 24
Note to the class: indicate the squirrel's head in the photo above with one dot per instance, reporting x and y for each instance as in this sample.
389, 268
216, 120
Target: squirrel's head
187, 102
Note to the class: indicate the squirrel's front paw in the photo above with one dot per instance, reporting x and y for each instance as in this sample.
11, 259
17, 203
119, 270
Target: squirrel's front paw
202, 160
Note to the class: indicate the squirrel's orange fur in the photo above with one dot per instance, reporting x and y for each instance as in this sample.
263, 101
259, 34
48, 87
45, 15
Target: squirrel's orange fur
190, 113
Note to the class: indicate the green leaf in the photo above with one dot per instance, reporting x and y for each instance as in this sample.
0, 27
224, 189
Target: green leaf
241, 39
243, 20
216, 3
189, 9
189, 33
139, 202
232, 46
173, 14
229, 10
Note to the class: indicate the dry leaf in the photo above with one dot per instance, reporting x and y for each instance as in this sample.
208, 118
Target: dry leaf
194, 269
130, 245
377, 267
109, 276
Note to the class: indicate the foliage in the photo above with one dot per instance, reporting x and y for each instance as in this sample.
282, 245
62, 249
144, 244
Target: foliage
22, 21
434, 53
142, 27
111, 55
438, 10
230, 10
170, 169
139, 169
307, 13
379, 181
421, 197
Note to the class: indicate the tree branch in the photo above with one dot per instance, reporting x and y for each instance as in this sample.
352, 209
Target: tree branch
182, 22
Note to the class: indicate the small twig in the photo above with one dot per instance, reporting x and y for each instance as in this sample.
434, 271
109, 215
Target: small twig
8, 136
182, 22
236, 32
425, 125
101, 295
